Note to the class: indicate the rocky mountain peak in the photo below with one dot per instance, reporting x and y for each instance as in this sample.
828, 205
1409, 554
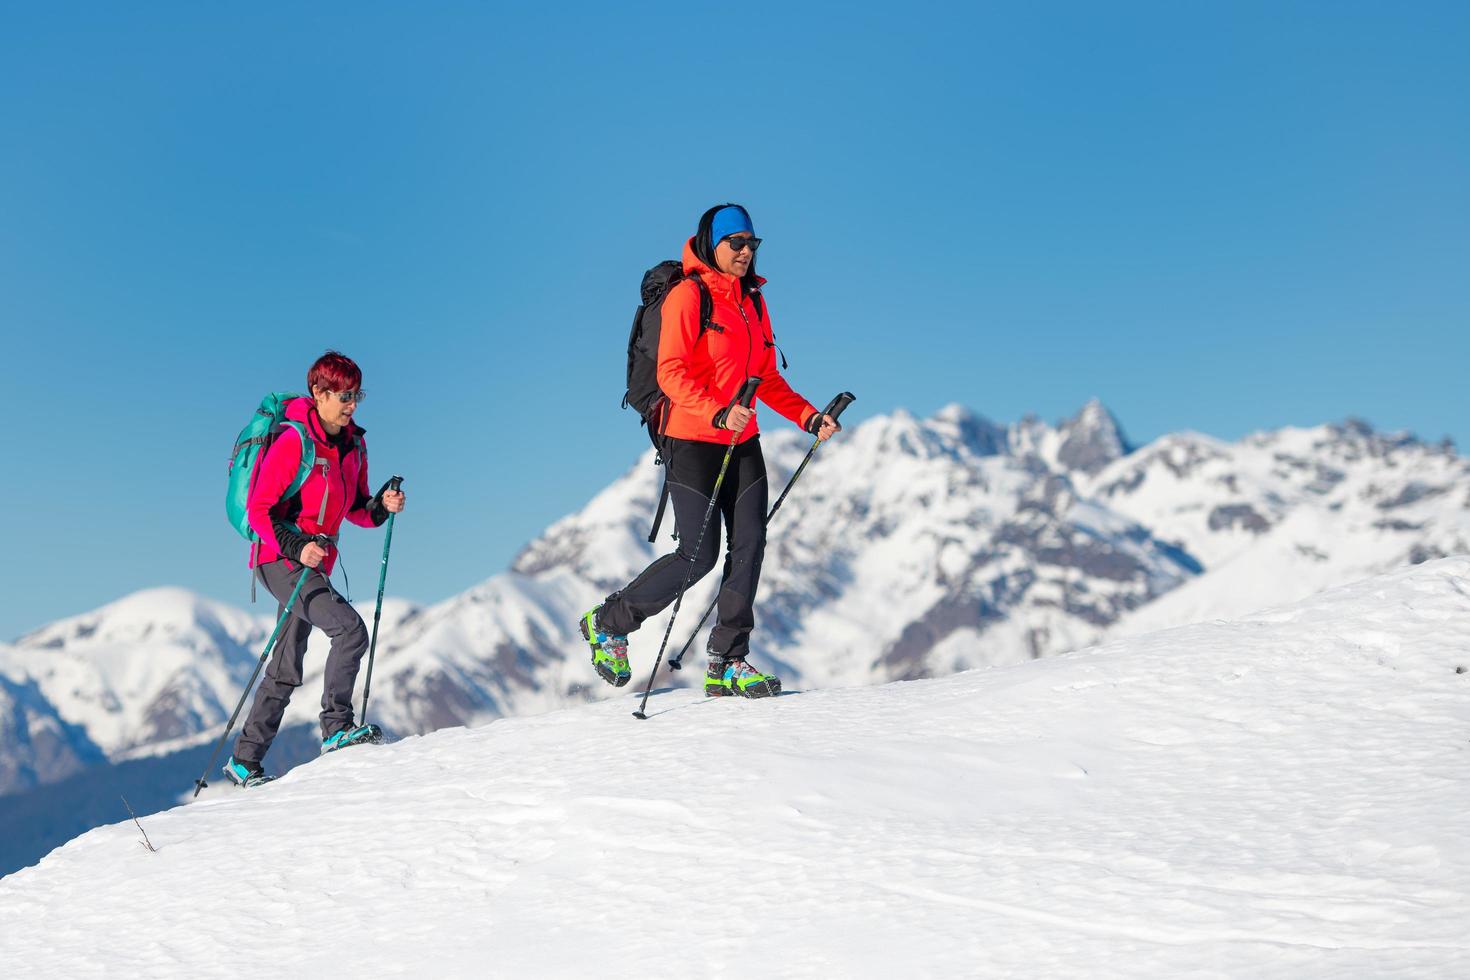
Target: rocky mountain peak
1355, 438
975, 433
1091, 439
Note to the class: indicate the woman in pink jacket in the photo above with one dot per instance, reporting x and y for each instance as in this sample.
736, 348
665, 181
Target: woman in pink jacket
300, 531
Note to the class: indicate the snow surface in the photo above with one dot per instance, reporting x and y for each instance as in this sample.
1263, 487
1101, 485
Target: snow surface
1281, 796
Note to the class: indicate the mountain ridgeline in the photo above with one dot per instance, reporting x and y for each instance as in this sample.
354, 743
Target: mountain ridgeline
912, 548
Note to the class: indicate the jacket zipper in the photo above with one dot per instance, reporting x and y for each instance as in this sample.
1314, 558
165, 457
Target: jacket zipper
749, 336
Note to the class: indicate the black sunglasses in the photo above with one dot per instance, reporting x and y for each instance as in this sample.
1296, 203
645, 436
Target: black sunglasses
347, 396
740, 243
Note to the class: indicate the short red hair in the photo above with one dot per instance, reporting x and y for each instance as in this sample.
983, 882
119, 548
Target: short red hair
334, 371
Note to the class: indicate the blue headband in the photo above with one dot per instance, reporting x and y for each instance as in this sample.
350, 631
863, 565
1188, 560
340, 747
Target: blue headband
728, 221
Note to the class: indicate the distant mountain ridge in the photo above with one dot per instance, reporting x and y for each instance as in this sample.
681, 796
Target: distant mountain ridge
911, 548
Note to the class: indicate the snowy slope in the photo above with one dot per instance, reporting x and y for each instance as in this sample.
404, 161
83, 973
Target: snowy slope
1281, 796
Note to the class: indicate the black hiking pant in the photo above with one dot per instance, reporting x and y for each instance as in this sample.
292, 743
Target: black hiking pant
692, 469
322, 606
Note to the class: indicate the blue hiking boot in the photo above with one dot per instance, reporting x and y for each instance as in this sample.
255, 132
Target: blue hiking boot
737, 678
245, 774
352, 735
609, 651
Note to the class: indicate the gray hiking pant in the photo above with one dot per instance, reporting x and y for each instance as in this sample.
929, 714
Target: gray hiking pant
317, 605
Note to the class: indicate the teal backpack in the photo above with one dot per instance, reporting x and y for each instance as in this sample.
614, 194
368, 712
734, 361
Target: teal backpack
251, 444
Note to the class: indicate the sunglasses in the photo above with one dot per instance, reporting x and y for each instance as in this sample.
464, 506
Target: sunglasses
738, 244
348, 396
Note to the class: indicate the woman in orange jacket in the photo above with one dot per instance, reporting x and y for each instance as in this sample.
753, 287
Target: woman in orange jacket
700, 371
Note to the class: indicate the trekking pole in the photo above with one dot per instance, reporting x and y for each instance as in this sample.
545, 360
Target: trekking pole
744, 397
301, 580
835, 409
367, 685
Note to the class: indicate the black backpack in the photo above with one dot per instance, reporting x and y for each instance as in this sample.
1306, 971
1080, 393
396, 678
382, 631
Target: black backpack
644, 395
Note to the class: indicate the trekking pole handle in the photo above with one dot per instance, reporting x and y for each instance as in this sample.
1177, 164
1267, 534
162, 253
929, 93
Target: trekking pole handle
747, 392
394, 485
839, 404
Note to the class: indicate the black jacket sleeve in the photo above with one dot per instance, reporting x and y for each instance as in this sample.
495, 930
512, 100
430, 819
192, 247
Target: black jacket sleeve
374, 505
288, 542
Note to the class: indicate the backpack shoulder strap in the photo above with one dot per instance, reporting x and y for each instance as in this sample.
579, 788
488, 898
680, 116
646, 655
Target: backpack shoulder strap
706, 305
308, 458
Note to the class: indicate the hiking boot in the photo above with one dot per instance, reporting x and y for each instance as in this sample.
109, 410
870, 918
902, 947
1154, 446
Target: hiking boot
244, 773
738, 678
352, 735
609, 651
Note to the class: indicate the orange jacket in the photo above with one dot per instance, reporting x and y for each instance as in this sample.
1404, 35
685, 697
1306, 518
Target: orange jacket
702, 374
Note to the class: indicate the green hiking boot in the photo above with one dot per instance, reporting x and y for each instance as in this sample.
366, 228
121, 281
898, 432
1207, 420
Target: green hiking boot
609, 651
726, 678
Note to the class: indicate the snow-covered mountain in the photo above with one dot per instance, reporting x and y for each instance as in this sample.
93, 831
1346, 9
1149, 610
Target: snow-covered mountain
153, 666
139, 676
39, 745
911, 548
916, 548
1281, 515
1279, 796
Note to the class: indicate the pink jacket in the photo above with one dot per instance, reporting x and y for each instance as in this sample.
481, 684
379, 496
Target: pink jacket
336, 489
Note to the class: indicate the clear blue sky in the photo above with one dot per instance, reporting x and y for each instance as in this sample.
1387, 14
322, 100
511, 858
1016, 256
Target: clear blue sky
1221, 217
